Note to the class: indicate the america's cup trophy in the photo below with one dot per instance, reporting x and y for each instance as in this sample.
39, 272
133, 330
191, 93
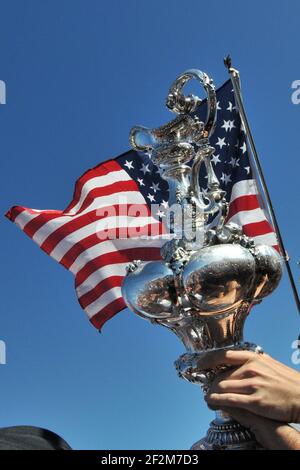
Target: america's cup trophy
211, 274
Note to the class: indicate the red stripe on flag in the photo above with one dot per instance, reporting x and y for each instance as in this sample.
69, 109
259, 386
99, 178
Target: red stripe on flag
114, 188
99, 289
243, 203
13, 212
257, 228
107, 312
99, 170
101, 236
96, 215
121, 256
35, 224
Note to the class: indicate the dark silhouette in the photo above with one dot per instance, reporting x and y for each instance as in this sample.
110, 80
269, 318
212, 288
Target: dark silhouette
30, 438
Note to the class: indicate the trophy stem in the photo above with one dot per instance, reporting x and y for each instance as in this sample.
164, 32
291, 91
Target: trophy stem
225, 433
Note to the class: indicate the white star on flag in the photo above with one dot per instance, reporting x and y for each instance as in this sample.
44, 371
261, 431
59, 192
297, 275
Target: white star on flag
226, 125
234, 162
155, 187
128, 164
231, 125
151, 197
215, 159
145, 169
230, 107
160, 214
243, 147
221, 142
225, 178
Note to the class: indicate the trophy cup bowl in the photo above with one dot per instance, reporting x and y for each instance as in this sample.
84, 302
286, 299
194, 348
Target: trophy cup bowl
204, 287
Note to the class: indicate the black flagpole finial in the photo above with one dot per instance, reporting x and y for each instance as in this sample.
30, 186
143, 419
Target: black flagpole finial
227, 61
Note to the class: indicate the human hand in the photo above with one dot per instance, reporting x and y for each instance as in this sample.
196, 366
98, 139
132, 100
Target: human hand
271, 435
256, 383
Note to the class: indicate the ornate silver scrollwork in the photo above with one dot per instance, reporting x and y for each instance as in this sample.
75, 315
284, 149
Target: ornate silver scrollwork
179, 104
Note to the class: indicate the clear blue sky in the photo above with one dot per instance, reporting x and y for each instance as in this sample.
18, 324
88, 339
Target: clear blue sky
79, 75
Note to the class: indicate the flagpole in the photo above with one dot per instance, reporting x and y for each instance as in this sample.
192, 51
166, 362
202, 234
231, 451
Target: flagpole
235, 79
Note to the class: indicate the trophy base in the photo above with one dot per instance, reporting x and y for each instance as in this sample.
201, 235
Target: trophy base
227, 435
224, 433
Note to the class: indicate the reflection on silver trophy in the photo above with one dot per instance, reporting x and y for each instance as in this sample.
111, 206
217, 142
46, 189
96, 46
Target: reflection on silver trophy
205, 286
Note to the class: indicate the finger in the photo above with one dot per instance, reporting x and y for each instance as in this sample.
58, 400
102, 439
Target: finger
234, 373
229, 357
234, 400
237, 373
244, 386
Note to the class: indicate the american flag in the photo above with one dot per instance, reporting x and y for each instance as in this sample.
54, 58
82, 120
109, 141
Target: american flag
77, 237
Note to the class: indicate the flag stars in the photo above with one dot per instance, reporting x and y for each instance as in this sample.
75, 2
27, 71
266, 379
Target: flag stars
218, 106
141, 182
155, 187
221, 142
145, 169
243, 148
129, 164
225, 178
230, 107
234, 162
231, 124
247, 168
151, 197
228, 125
165, 204
215, 159
160, 214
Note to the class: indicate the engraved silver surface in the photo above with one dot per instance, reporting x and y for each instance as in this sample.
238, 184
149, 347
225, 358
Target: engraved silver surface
204, 287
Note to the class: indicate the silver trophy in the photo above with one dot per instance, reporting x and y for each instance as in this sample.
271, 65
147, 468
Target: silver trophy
211, 274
